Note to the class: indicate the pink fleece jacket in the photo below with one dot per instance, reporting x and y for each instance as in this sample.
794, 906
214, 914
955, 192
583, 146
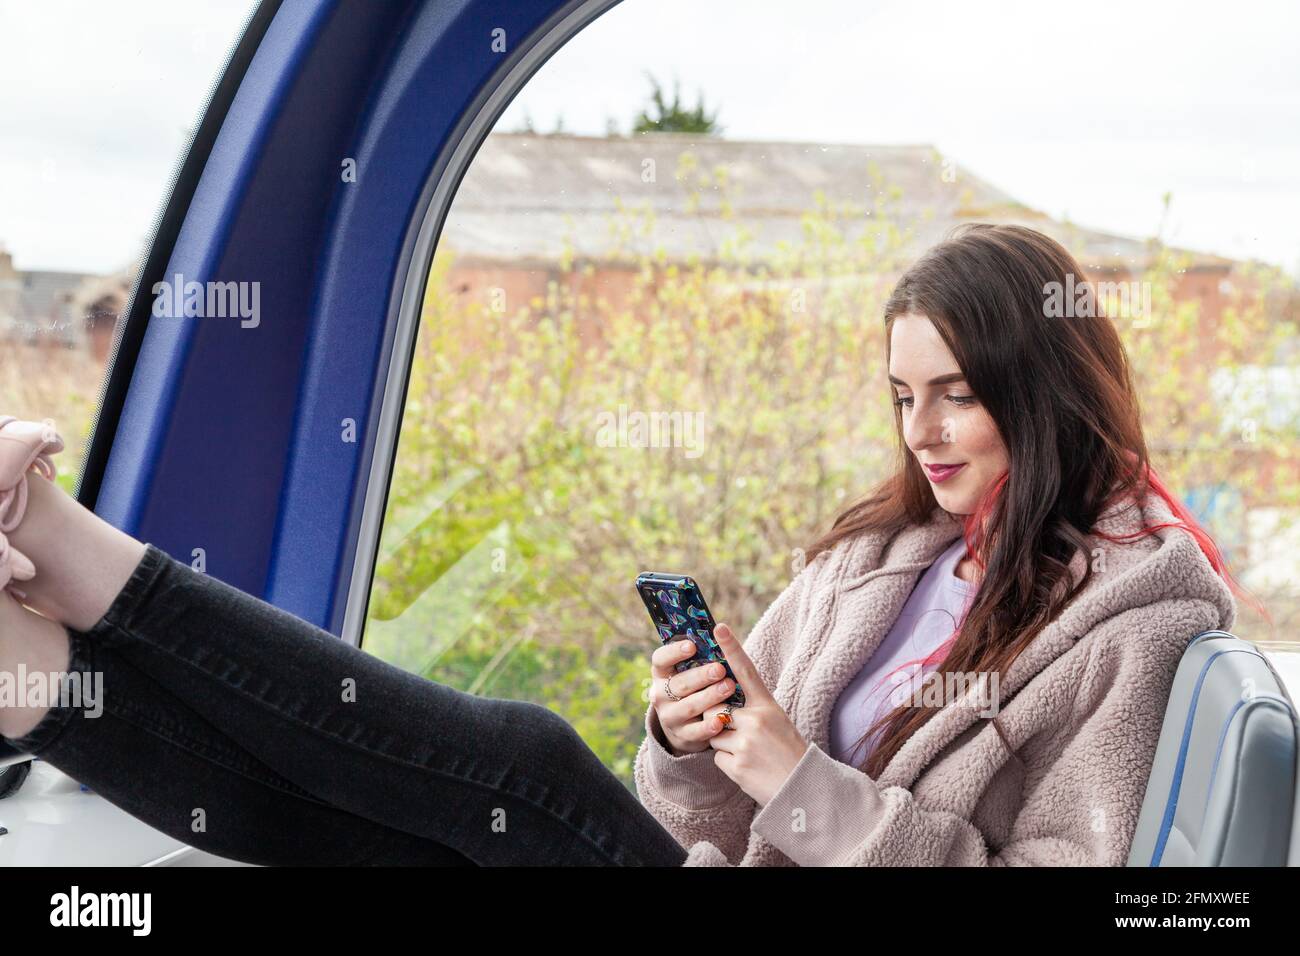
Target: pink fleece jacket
1082, 708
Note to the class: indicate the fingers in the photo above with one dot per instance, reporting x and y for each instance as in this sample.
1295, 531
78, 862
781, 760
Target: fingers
664, 658
686, 682
682, 717
694, 691
715, 727
698, 689
741, 666
701, 729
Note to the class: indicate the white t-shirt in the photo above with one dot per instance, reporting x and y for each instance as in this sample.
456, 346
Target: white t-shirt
927, 619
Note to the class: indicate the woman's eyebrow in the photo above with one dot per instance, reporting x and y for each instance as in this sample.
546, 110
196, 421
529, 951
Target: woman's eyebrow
940, 380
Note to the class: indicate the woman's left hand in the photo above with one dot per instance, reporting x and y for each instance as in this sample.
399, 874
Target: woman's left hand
764, 746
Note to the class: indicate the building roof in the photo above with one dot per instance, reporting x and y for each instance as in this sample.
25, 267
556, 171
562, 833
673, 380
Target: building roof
524, 194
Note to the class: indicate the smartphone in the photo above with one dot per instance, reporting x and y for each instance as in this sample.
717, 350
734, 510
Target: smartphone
677, 606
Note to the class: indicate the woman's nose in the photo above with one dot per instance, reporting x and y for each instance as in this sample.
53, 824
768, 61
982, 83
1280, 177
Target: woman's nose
924, 429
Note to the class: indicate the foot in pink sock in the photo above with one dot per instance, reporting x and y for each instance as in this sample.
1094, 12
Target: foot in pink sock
24, 447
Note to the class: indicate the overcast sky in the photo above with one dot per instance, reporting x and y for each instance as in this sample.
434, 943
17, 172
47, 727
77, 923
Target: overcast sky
1088, 111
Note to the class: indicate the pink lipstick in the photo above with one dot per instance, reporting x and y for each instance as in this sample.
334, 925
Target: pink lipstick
943, 472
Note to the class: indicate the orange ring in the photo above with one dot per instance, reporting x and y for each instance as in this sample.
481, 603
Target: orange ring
725, 718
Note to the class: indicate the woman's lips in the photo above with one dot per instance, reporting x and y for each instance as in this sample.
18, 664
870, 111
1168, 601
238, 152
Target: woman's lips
943, 472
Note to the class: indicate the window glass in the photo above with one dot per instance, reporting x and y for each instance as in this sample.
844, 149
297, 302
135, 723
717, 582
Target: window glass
97, 106
652, 335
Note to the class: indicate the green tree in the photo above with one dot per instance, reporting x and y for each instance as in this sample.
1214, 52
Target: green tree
675, 117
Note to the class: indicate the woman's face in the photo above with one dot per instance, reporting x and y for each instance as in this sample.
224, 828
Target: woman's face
943, 422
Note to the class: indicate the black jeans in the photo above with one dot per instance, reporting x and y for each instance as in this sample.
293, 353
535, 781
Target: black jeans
240, 729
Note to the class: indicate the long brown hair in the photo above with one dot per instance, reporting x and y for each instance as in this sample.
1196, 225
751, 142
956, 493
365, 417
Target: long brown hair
1061, 394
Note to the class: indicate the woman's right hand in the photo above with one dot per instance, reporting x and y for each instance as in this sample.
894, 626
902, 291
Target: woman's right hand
699, 689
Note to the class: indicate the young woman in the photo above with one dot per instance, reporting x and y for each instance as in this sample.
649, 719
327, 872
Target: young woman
1023, 552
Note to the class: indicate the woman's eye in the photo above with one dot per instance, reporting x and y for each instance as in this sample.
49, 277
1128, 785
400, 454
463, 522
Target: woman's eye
961, 401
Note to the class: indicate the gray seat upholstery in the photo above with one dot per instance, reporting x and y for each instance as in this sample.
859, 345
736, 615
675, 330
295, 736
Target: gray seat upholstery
1223, 786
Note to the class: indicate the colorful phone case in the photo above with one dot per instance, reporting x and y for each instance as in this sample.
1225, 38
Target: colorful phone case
677, 607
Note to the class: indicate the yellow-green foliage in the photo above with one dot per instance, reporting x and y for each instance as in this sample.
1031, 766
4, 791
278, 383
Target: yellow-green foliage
514, 536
